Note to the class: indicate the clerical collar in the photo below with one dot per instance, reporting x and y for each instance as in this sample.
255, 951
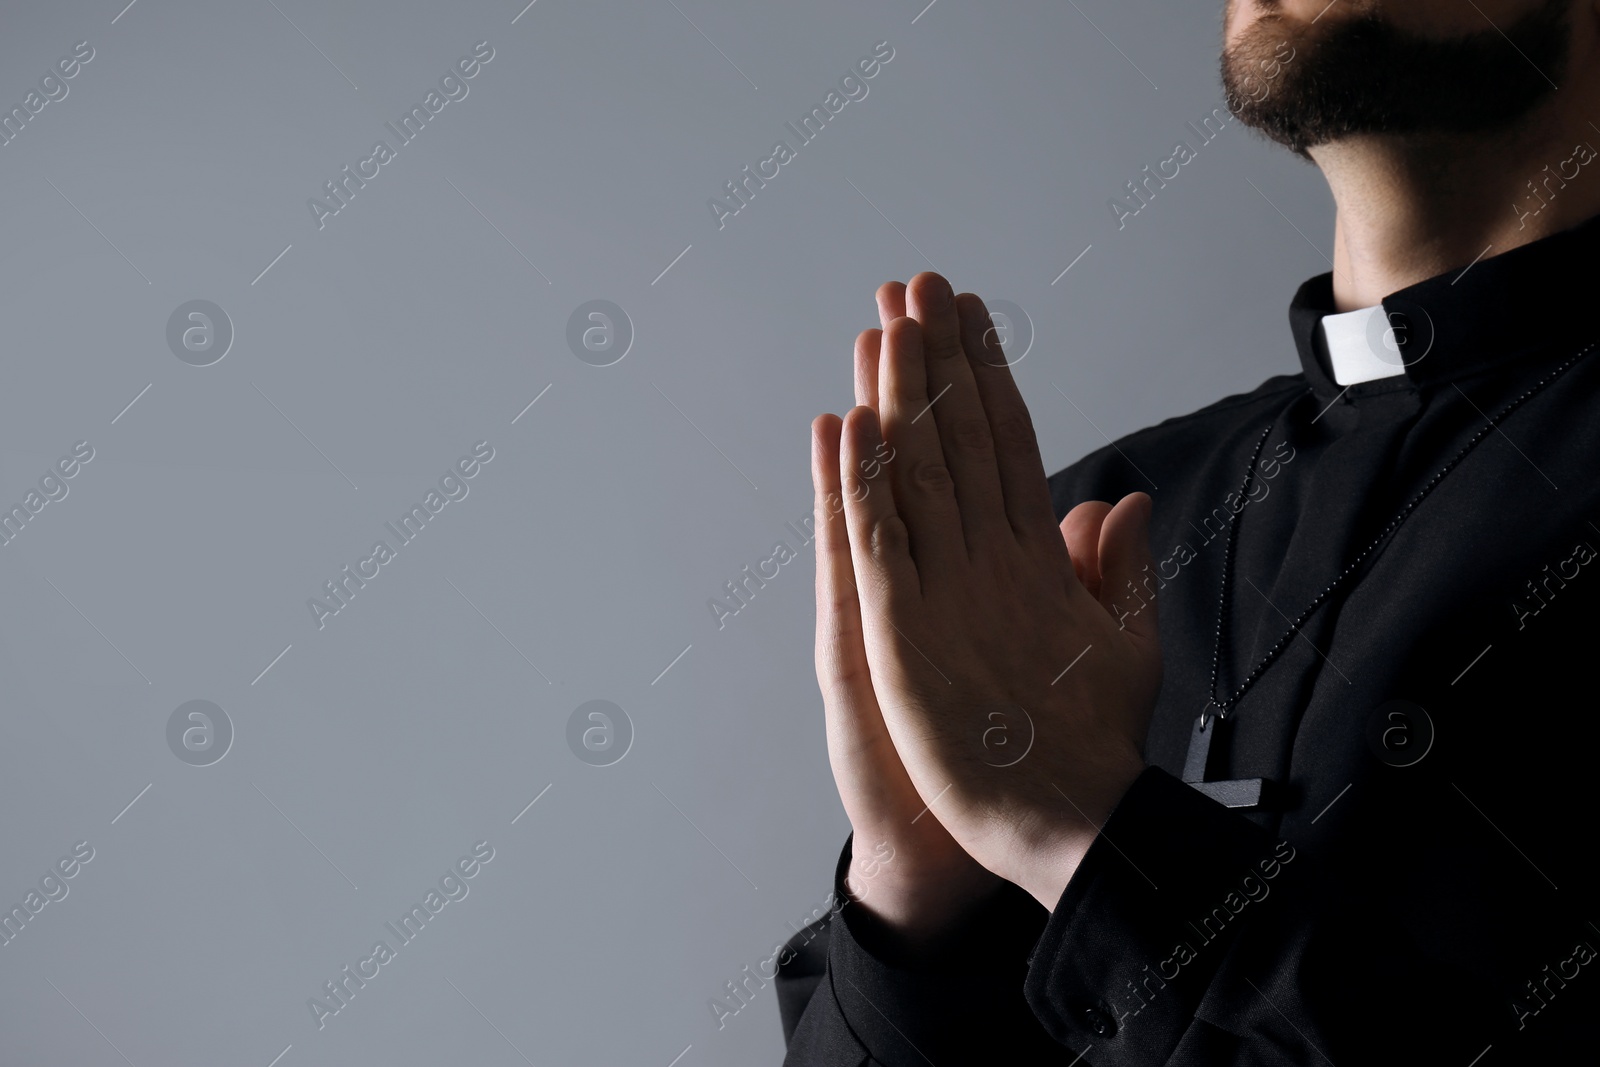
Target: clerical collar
1503, 308
1359, 345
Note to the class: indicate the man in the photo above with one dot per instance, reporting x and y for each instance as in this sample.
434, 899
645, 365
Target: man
1334, 806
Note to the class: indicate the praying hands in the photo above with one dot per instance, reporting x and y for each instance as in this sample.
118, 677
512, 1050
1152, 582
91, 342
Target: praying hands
986, 703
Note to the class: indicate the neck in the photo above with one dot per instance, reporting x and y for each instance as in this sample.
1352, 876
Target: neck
1413, 207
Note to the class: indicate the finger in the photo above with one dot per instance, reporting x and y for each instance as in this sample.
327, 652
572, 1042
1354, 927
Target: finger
924, 491
841, 654
880, 547
869, 344
1128, 581
859, 746
1081, 532
1016, 447
891, 302
958, 412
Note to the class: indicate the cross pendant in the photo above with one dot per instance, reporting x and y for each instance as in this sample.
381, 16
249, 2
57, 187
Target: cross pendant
1233, 793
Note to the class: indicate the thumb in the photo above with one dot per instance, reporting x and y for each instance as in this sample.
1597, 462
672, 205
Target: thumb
1081, 531
1128, 582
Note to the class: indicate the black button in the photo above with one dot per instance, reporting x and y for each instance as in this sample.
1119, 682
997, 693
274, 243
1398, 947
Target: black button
1101, 1023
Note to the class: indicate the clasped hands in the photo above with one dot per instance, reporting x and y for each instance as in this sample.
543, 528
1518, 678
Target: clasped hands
986, 697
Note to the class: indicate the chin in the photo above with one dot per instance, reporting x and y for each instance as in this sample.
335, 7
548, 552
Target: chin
1305, 82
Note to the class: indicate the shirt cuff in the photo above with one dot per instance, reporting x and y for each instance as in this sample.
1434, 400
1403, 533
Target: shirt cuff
956, 1007
1146, 920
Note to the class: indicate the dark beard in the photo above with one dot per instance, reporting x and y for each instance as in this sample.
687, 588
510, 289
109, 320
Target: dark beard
1361, 75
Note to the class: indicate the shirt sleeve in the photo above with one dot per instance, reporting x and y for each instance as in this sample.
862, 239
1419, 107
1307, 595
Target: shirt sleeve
1188, 937
871, 1006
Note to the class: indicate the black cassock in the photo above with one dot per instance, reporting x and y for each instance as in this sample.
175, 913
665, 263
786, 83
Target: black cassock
1387, 592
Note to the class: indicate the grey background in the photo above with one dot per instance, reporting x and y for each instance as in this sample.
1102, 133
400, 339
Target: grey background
416, 722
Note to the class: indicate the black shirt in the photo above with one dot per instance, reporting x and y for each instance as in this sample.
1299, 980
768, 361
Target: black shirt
1395, 608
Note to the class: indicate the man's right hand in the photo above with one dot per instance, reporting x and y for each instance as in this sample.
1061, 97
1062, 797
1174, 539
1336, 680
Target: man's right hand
906, 869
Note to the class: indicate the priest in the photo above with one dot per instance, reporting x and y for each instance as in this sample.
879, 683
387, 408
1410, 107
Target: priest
1265, 734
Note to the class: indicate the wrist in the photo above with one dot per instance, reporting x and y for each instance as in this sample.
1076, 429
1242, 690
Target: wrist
1050, 865
1050, 854
920, 914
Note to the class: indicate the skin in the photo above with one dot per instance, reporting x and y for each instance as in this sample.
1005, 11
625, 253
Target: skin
1410, 208
945, 588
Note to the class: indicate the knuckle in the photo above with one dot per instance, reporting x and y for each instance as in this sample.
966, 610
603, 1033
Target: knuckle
858, 483
889, 538
834, 667
906, 390
833, 559
973, 435
942, 346
841, 606
1015, 432
931, 478
841, 680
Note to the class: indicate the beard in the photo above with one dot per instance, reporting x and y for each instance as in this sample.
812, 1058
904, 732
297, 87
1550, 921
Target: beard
1304, 84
